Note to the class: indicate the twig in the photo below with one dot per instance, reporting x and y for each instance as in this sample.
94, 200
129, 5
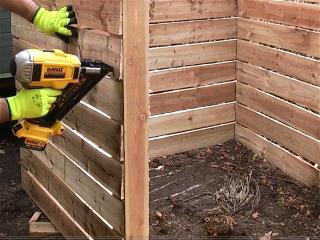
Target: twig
199, 195
166, 185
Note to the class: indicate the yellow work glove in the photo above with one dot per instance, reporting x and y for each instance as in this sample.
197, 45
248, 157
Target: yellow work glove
32, 103
55, 22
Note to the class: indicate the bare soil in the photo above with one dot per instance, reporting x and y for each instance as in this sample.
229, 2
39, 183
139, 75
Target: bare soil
16, 208
183, 202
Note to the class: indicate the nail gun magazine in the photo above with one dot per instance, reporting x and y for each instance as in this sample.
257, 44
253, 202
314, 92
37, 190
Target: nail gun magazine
34, 68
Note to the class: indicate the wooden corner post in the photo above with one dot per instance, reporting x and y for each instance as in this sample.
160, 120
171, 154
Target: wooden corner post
136, 112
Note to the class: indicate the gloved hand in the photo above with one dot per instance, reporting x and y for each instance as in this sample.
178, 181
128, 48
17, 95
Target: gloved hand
32, 103
55, 22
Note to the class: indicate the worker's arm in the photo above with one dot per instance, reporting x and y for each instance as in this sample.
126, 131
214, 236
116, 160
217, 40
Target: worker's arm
28, 103
4, 111
50, 22
25, 8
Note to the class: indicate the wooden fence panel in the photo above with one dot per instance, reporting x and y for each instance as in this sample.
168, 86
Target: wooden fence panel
278, 60
286, 12
278, 156
168, 11
290, 138
85, 217
191, 54
163, 34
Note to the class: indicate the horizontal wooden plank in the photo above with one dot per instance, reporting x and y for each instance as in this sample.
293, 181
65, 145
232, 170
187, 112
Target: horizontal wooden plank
194, 31
191, 119
301, 93
286, 12
107, 137
290, 138
286, 37
98, 45
42, 170
278, 60
192, 98
191, 140
107, 96
283, 111
20, 45
23, 30
104, 15
168, 10
291, 164
42, 229
104, 168
194, 76
51, 207
192, 54
100, 199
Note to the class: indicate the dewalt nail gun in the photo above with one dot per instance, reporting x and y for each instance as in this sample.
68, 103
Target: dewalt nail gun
55, 69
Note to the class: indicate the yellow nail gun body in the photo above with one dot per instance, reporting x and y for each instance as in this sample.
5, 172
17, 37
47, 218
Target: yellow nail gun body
55, 69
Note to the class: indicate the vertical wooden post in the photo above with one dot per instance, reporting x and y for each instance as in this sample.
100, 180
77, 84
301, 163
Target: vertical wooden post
136, 111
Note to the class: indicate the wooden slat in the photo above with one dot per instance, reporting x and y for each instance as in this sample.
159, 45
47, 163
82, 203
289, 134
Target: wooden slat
291, 13
301, 93
278, 60
20, 45
23, 30
168, 10
92, 44
194, 76
107, 96
89, 123
195, 31
191, 140
100, 14
192, 98
50, 206
191, 119
283, 111
102, 167
136, 112
44, 172
43, 229
279, 157
286, 37
288, 137
186, 55
107, 205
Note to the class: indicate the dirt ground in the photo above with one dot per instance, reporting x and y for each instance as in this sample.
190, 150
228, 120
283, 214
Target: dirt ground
16, 208
183, 200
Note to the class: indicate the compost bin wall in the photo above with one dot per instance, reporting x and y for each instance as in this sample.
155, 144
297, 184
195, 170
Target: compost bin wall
194, 82
278, 79
192, 74
78, 180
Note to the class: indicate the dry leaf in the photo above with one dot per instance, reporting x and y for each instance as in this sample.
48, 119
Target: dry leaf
215, 165
255, 215
267, 236
159, 215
